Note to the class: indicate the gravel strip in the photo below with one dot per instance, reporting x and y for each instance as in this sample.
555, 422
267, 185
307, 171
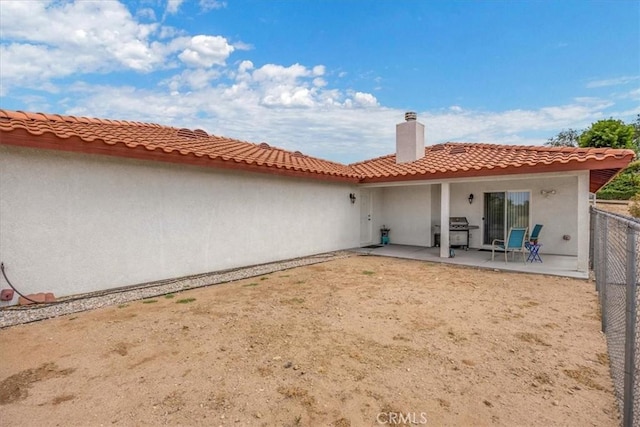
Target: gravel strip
15, 315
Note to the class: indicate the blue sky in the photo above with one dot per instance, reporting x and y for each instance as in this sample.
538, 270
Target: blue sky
330, 78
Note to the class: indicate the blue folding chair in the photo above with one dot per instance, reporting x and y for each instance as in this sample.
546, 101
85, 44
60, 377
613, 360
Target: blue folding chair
515, 243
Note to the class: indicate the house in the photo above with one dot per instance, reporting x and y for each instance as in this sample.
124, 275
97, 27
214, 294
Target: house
90, 204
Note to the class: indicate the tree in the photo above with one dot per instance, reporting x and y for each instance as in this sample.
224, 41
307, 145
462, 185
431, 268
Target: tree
614, 134
609, 133
565, 138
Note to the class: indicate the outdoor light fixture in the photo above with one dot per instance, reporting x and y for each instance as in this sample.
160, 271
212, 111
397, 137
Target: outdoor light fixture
546, 193
470, 198
352, 197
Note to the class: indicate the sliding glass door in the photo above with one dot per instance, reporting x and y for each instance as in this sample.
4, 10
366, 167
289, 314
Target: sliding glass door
503, 210
493, 217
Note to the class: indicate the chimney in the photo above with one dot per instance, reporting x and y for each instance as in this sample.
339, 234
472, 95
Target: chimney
409, 139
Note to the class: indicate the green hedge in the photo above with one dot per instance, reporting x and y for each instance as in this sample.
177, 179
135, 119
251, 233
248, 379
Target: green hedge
612, 194
624, 186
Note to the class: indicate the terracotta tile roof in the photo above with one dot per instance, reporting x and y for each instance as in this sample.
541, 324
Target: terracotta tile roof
451, 160
156, 142
164, 143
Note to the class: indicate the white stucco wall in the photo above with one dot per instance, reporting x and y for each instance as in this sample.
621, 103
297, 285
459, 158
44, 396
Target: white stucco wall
407, 212
72, 223
558, 213
411, 209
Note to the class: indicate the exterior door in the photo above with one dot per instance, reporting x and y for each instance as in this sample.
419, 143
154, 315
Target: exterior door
366, 227
503, 210
493, 217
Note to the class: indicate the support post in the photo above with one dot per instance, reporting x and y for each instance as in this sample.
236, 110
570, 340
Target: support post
596, 249
592, 238
630, 328
604, 222
445, 200
582, 219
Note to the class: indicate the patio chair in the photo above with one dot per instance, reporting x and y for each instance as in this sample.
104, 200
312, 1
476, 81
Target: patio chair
535, 234
515, 243
532, 244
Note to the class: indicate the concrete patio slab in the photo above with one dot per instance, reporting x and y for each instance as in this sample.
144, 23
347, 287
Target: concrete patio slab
556, 265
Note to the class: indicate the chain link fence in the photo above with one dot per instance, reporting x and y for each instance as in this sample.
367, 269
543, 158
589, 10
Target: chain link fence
615, 260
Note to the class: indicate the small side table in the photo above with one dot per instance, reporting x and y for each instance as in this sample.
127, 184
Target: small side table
534, 252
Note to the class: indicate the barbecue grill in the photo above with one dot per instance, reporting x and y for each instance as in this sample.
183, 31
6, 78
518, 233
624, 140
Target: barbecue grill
459, 232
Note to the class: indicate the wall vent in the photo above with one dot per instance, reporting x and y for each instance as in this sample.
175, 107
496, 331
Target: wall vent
186, 133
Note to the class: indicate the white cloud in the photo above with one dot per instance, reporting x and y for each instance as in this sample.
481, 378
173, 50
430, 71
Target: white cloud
146, 13
242, 46
167, 32
318, 70
286, 97
280, 86
192, 79
207, 5
297, 86
47, 40
319, 82
20, 61
44, 41
517, 126
79, 25
245, 66
279, 73
327, 123
365, 99
173, 6
633, 94
612, 82
206, 51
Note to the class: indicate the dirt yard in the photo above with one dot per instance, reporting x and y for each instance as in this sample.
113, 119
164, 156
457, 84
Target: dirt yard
362, 341
617, 208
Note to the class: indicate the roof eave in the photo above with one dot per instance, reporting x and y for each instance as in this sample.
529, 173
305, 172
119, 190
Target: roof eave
610, 163
49, 141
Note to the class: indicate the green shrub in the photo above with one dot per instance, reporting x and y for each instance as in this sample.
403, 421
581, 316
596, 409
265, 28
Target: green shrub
634, 206
624, 186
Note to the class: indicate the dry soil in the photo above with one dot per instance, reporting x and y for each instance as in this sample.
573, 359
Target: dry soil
617, 208
361, 341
